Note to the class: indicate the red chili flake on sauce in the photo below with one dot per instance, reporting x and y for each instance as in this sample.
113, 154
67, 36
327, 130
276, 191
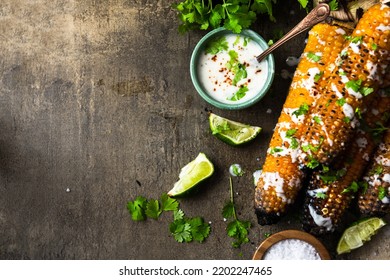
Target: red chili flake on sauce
258, 71
214, 58
249, 80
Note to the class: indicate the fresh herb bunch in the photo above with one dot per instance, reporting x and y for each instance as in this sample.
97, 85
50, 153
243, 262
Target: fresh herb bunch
232, 14
237, 228
182, 228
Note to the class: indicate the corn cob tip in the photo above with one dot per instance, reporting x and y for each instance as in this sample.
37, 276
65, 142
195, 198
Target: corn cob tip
265, 218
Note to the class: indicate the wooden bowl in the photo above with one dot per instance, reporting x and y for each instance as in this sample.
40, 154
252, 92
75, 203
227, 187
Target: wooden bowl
291, 234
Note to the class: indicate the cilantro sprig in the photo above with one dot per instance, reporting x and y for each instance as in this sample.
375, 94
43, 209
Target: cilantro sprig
236, 228
183, 229
186, 229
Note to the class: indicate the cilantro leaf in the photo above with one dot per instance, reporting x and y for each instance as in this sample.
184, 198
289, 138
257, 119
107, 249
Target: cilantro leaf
313, 56
354, 85
153, 209
291, 132
217, 45
333, 5
381, 193
317, 119
199, 229
239, 231
303, 3
137, 208
178, 214
228, 210
341, 101
354, 187
181, 230
168, 203
318, 76
275, 150
239, 94
302, 110
321, 195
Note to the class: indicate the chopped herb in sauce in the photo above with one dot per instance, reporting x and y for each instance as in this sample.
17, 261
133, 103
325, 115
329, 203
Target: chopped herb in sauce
217, 45
374, 46
239, 94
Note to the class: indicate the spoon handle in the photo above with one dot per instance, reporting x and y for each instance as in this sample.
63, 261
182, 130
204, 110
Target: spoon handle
318, 14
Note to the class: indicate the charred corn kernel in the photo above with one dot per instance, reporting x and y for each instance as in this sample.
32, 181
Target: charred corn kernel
330, 192
374, 198
359, 71
281, 176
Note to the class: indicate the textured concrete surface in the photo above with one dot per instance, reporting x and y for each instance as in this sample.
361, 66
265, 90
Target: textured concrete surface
97, 107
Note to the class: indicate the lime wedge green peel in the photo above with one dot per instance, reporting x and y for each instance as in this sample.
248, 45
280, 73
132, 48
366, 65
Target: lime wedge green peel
356, 235
191, 175
232, 132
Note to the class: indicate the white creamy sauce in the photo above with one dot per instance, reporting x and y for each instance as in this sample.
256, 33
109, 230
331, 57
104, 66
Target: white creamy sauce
291, 249
340, 31
348, 111
383, 27
216, 79
309, 82
386, 178
336, 91
372, 69
256, 176
357, 95
273, 179
296, 119
385, 200
355, 47
321, 221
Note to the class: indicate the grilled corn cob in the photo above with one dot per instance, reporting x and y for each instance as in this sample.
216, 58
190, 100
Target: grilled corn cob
281, 176
330, 192
374, 200
359, 71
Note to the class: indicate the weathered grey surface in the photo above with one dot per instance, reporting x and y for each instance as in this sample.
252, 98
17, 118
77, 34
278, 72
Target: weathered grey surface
96, 97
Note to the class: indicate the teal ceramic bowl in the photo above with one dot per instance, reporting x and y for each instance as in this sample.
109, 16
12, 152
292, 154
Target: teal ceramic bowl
268, 66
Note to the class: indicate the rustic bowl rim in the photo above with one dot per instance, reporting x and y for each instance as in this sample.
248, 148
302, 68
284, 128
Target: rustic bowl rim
291, 234
194, 65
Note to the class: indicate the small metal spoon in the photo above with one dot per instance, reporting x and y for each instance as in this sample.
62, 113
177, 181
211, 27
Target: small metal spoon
318, 14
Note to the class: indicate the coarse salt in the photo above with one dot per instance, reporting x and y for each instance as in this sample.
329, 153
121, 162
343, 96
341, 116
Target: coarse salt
291, 249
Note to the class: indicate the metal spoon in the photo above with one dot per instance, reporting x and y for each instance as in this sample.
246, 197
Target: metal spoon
318, 14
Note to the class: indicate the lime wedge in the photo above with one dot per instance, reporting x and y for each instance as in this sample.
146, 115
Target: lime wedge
232, 132
356, 235
191, 175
